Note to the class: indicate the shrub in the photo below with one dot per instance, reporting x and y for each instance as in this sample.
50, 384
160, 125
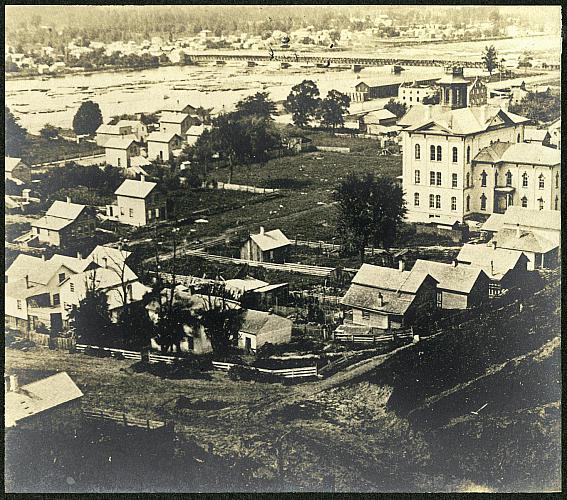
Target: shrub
247, 373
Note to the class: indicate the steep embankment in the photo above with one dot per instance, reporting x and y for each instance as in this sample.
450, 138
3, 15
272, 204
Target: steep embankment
487, 395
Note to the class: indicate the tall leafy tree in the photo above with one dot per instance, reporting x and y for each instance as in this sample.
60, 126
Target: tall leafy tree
262, 137
396, 107
49, 131
230, 139
15, 134
333, 108
540, 107
303, 102
490, 59
258, 105
87, 119
370, 210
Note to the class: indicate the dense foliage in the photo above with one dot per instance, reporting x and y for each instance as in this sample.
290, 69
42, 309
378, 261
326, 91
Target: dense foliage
396, 107
303, 102
540, 107
490, 59
14, 133
87, 119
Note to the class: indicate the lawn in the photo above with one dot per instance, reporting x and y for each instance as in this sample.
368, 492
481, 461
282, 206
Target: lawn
39, 150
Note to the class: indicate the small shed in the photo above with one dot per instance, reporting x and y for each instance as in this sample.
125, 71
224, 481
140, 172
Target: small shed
270, 246
261, 327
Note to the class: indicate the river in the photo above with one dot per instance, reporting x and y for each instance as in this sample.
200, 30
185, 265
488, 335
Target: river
37, 101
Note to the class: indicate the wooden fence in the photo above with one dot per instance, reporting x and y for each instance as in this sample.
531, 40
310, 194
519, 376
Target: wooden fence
134, 355
126, 420
243, 187
374, 339
307, 371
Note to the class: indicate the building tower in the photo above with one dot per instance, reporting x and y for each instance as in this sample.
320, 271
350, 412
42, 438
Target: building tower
453, 88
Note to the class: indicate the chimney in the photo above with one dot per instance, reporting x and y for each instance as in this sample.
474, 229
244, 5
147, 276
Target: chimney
493, 244
104, 262
43, 257
454, 263
26, 194
518, 230
79, 256
27, 281
380, 300
401, 265
261, 229
68, 199
142, 178
14, 386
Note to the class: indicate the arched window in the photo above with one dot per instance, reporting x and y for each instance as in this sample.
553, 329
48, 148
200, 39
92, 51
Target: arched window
439, 156
438, 178
454, 180
468, 203
556, 202
417, 151
438, 201
431, 178
431, 201
540, 201
416, 199
455, 155
417, 179
525, 180
468, 154
468, 179
541, 181
483, 177
557, 180
432, 153
482, 202
453, 203
524, 202
508, 178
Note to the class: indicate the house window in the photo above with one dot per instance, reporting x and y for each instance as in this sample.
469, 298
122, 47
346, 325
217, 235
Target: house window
150, 213
416, 199
556, 202
483, 177
417, 176
439, 155
524, 202
525, 180
119, 162
121, 210
468, 154
483, 202
19, 304
131, 212
438, 178
508, 178
365, 314
56, 299
417, 151
61, 277
496, 178
438, 201
431, 201
417, 99
432, 178
439, 300
455, 155
453, 203
157, 213
72, 287
557, 180
432, 153
129, 293
468, 203
541, 181
468, 179
454, 180
540, 201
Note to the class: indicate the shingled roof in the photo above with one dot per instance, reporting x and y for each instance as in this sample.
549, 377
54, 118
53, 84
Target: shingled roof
387, 278
135, 189
519, 152
495, 262
65, 210
270, 240
525, 241
450, 277
257, 322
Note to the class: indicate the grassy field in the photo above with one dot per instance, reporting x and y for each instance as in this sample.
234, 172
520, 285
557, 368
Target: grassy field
39, 150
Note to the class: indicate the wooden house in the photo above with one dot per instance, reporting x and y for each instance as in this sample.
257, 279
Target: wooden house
16, 170
138, 203
270, 246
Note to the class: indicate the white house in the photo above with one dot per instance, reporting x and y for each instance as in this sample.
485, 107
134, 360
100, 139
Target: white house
138, 129
163, 146
120, 150
176, 123
107, 131
138, 203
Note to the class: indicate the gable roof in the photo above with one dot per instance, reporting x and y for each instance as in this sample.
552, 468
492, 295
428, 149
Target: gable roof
135, 189
494, 223
38, 270
527, 217
258, 322
519, 152
122, 142
51, 223
39, 396
270, 240
495, 262
166, 137
170, 117
377, 116
526, 241
108, 129
115, 257
364, 297
178, 107
72, 263
65, 210
245, 285
535, 134
388, 278
20, 290
11, 163
449, 277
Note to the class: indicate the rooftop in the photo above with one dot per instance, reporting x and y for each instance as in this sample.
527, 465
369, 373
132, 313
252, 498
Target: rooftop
65, 210
257, 322
450, 277
376, 116
270, 240
527, 217
519, 152
122, 142
388, 278
495, 262
525, 241
170, 117
11, 163
364, 297
135, 189
162, 137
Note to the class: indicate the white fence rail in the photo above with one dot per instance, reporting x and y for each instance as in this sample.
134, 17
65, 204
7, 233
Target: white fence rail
307, 371
243, 187
137, 356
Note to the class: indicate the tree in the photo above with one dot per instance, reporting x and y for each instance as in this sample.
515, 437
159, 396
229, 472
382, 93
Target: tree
540, 107
303, 102
230, 140
370, 210
258, 105
333, 108
49, 131
396, 107
135, 326
490, 59
432, 99
262, 137
15, 134
87, 119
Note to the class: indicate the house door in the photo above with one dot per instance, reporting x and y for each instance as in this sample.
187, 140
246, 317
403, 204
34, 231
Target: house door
248, 343
161, 155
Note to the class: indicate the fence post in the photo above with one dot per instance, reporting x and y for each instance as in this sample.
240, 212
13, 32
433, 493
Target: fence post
125, 420
148, 424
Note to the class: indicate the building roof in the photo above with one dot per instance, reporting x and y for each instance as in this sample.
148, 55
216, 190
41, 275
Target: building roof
388, 278
460, 121
115, 256
20, 290
121, 142
365, 297
450, 277
197, 130
494, 223
377, 116
270, 240
166, 137
519, 152
137, 162
135, 189
26, 265
51, 223
108, 129
527, 217
269, 288
495, 262
170, 117
73, 263
39, 396
258, 322
11, 163
65, 210
525, 241
178, 107
129, 123
535, 134
106, 277
244, 285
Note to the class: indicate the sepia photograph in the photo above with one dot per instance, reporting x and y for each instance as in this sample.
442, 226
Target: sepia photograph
282, 248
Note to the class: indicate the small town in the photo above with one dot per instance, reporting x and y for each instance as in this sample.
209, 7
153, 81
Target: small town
282, 249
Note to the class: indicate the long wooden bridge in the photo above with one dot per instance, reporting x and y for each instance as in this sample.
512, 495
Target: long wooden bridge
322, 59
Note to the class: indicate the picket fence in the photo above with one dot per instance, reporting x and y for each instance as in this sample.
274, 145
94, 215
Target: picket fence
122, 418
373, 339
307, 371
137, 356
